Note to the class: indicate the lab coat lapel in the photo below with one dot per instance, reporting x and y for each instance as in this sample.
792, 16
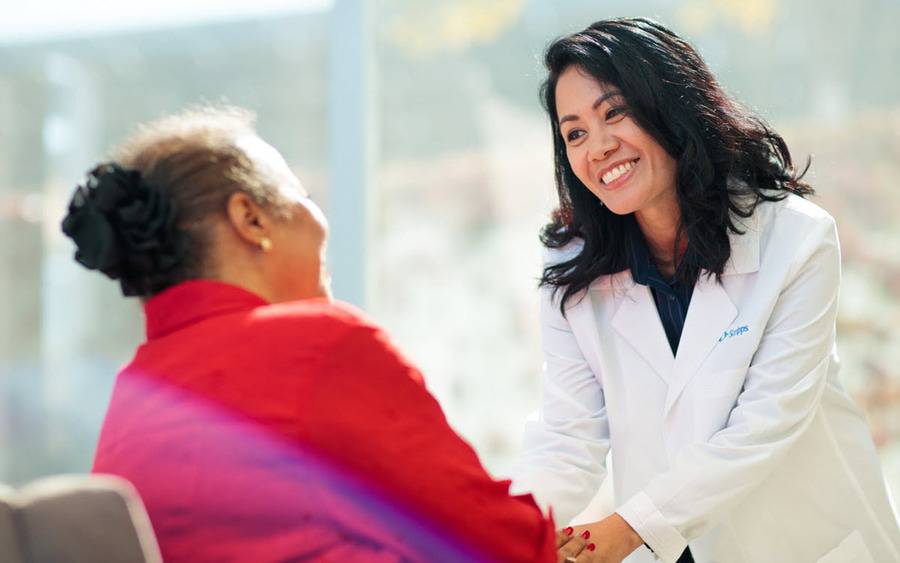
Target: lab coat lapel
709, 315
637, 321
711, 311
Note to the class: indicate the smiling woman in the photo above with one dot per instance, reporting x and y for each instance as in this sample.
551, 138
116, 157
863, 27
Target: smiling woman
688, 316
661, 111
598, 119
608, 151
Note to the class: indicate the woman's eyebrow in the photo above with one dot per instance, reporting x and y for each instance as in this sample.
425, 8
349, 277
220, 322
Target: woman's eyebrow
605, 96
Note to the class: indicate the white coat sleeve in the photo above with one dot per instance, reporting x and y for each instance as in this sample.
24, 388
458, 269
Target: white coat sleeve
565, 448
781, 393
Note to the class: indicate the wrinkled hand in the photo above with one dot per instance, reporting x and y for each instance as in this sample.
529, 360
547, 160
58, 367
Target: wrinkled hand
574, 547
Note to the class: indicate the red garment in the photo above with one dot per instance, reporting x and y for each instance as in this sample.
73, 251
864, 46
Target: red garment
296, 431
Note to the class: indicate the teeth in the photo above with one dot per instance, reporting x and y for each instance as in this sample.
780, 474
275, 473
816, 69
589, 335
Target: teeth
614, 174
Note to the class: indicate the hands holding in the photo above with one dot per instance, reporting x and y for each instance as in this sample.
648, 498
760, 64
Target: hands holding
575, 548
608, 541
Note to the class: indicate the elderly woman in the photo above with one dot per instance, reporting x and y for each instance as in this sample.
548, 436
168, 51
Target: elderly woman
262, 421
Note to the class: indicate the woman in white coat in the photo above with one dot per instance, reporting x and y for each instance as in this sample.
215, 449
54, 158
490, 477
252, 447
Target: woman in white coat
689, 302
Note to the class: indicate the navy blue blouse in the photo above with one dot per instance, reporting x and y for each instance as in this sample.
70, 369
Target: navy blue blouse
672, 297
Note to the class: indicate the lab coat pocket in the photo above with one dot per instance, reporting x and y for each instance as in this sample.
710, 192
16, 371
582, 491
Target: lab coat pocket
715, 395
852, 550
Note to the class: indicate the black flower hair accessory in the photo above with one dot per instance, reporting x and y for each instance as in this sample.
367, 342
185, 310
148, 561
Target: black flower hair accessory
124, 228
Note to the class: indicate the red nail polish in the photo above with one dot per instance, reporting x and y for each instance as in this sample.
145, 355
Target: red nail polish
591, 547
586, 534
569, 530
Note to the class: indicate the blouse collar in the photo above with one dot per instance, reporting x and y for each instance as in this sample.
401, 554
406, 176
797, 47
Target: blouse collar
193, 301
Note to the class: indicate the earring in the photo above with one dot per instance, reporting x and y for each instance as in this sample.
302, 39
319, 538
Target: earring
265, 244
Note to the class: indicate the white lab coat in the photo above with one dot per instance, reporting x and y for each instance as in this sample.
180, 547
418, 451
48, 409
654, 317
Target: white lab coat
744, 445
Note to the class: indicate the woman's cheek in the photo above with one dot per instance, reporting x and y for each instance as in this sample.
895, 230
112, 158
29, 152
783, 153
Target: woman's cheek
574, 163
581, 169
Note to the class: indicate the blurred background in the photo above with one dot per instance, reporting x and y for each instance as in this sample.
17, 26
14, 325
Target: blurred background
416, 125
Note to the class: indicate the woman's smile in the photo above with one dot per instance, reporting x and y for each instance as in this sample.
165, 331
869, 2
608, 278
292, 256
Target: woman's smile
615, 176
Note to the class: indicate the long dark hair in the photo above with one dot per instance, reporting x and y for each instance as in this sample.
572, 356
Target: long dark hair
728, 160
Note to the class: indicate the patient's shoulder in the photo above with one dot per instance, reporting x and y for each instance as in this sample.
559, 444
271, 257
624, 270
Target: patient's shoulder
312, 319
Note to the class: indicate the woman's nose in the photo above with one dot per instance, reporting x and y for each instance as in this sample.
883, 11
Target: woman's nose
602, 144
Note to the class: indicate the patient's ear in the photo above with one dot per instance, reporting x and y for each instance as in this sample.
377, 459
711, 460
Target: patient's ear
250, 221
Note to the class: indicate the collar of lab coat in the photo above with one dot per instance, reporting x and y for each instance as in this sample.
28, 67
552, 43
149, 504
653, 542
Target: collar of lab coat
711, 312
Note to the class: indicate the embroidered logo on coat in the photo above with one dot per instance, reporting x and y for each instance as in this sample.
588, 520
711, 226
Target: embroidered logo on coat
734, 332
